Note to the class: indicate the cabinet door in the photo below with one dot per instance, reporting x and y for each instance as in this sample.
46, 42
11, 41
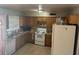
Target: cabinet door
73, 19
34, 21
42, 21
21, 21
50, 22
30, 21
48, 39
19, 42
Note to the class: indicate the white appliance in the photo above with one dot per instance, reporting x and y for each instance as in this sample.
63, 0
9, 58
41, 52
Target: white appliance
63, 39
40, 36
1, 37
12, 30
6, 46
2, 33
10, 46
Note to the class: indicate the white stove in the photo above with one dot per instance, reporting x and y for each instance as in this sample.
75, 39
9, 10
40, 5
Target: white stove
40, 36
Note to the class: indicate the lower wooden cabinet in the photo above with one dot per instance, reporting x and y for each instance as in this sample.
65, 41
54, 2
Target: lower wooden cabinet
48, 38
23, 39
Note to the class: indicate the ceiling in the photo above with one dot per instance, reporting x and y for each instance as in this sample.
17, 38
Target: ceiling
46, 7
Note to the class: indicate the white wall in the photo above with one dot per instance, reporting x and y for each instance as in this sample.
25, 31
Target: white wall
44, 14
75, 11
10, 11
37, 14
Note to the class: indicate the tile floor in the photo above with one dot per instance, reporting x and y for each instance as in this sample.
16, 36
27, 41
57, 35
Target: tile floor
32, 49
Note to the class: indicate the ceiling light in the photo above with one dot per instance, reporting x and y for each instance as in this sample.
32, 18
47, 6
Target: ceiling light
39, 8
40, 11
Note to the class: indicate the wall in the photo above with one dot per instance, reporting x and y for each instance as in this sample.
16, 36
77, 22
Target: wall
75, 11
4, 12
44, 14
10, 11
37, 14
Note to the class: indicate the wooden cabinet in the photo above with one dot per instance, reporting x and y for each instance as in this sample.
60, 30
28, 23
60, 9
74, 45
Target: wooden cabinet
47, 20
34, 21
73, 19
21, 21
48, 38
50, 22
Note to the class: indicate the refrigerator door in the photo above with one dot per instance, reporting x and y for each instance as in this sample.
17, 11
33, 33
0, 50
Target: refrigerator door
63, 37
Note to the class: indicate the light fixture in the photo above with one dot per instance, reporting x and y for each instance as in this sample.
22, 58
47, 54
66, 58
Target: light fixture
39, 8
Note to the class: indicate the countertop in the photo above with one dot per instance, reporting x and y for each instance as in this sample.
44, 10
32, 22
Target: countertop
48, 33
22, 33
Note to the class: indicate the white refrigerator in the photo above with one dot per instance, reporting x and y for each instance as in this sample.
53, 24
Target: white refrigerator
1, 45
2, 33
63, 39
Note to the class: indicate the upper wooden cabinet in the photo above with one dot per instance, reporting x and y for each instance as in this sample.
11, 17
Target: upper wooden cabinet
21, 21
73, 19
36, 21
50, 21
33, 22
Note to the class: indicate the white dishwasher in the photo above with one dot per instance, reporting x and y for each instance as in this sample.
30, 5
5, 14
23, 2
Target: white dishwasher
10, 46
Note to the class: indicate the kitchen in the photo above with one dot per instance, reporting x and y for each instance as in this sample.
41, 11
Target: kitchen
33, 27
